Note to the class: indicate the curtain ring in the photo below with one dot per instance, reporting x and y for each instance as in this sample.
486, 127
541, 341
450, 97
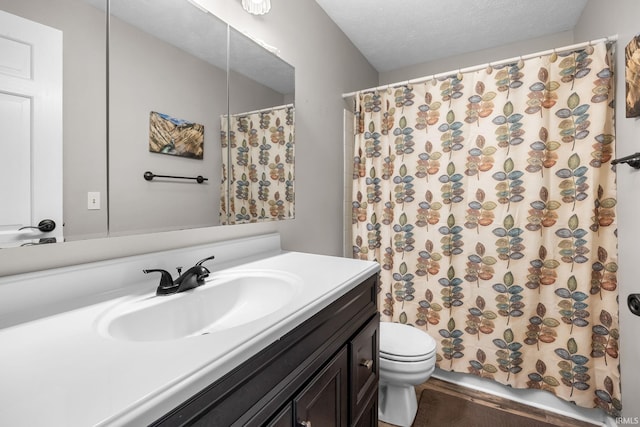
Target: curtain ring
459, 75
489, 68
521, 63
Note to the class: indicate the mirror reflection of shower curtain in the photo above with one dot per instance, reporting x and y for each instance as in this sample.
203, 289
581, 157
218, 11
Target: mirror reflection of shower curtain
260, 171
489, 200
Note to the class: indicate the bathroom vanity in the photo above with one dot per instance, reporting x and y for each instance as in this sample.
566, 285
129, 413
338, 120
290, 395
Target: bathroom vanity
324, 372
272, 338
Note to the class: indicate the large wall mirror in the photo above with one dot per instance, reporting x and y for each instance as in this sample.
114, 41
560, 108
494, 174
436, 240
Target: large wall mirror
261, 131
166, 57
182, 89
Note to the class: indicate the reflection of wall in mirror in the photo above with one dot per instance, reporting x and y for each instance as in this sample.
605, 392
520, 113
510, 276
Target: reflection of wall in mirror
147, 74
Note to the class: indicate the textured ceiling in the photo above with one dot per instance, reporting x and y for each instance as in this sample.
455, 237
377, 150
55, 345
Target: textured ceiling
203, 35
393, 34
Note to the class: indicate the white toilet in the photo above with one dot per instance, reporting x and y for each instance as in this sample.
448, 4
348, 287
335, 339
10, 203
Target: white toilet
407, 358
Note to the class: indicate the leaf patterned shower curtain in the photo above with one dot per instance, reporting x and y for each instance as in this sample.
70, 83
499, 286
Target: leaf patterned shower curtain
489, 200
260, 168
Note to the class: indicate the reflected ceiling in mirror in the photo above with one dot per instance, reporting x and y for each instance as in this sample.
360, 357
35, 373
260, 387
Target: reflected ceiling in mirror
260, 63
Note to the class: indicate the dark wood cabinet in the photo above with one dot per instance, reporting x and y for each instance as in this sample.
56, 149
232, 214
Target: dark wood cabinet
322, 373
369, 416
284, 418
363, 349
324, 402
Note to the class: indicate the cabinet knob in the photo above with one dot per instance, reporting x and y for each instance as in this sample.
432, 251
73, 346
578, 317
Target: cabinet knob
304, 423
367, 363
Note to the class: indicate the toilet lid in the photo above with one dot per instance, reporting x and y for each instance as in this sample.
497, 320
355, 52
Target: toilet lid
405, 343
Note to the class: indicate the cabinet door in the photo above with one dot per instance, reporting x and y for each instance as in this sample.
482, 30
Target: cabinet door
324, 402
364, 367
369, 417
283, 419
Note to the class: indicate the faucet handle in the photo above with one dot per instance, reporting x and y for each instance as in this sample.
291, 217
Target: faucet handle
206, 259
203, 271
166, 281
200, 271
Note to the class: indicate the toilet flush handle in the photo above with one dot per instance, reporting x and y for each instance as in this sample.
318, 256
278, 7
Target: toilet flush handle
304, 423
367, 363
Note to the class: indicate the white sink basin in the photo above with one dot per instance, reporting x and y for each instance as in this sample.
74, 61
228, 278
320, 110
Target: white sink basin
226, 301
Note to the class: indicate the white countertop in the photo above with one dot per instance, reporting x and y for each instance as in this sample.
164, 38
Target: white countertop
60, 371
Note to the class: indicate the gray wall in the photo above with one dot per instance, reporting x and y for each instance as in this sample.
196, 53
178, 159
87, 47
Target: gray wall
509, 50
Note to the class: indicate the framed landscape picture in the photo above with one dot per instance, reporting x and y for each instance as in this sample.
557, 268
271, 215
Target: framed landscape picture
632, 77
176, 137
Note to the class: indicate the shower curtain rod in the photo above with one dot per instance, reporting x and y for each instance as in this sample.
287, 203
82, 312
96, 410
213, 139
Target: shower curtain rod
612, 38
279, 107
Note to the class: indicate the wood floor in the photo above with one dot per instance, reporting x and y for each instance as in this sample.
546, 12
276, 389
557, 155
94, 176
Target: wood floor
457, 406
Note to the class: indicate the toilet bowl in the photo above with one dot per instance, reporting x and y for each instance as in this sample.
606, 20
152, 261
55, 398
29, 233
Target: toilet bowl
407, 358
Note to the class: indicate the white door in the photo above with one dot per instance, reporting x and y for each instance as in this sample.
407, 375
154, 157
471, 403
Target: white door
31, 124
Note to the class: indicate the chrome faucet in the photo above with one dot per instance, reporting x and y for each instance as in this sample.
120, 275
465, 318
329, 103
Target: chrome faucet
192, 278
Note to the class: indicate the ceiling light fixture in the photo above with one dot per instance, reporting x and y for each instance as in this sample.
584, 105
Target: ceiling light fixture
256, 7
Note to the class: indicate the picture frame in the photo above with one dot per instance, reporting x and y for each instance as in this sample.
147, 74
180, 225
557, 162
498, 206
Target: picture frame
175, 137
632, 77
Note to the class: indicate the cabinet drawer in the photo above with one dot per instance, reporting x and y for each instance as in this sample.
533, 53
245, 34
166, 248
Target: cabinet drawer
363, 355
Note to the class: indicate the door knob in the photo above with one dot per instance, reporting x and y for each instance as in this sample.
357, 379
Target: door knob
45, 226
633, 301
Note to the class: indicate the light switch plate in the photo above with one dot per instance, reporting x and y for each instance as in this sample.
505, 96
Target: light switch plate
93, 200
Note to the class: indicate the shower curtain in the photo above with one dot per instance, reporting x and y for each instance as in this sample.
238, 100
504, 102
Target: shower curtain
489, 200
260, 171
